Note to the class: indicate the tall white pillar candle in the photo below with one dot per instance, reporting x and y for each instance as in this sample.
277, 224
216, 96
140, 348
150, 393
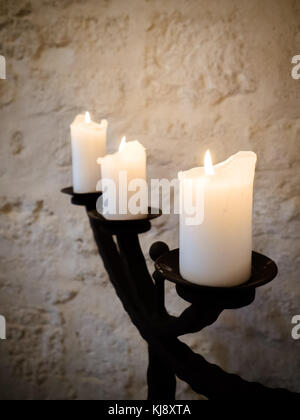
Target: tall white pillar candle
126, 170
216, 249
88, 143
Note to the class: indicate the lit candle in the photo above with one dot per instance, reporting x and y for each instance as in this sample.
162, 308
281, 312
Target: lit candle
88, 143
216, 246
126, 170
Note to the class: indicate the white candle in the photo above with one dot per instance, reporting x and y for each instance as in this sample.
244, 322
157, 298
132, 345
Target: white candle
88, 143
217, 250
126, 170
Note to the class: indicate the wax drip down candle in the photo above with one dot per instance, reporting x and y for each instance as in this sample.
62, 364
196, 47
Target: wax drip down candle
88, 143
216, 249
122, 174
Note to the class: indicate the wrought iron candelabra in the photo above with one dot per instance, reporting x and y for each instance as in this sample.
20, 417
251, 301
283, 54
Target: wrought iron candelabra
143, 298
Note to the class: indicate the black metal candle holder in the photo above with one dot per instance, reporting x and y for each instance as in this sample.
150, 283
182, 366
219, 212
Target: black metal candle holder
264, 270
144, 301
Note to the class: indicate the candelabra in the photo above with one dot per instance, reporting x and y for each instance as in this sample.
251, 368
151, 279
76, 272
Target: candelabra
143, 298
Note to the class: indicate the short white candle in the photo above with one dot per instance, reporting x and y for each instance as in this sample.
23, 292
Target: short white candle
122, 168
218, 252
88, 143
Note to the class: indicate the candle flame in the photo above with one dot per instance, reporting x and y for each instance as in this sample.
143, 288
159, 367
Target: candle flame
87, 118
208, 166
122, 145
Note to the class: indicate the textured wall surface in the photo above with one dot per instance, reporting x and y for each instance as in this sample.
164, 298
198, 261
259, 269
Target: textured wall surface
181, 76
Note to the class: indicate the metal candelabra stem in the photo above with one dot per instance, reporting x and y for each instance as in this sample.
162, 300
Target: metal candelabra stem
143, 300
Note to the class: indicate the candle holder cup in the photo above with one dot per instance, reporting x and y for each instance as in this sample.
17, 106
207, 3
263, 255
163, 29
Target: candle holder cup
144, 301
87, 200
131, 226
264, 270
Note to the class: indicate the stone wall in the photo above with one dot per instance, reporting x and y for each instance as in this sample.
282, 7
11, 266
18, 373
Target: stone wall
181, 76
